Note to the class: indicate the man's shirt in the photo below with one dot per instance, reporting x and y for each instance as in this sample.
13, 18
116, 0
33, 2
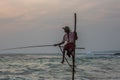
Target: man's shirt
69, 38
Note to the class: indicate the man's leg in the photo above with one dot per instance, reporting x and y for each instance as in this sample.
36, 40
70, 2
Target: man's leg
63, 56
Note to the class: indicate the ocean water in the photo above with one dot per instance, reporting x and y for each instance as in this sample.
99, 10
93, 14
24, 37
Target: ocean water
48, 67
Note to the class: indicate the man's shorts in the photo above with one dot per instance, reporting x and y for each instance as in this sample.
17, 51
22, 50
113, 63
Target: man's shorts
69, 46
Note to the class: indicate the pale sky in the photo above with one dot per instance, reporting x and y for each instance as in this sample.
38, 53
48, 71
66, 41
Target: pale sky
40, 22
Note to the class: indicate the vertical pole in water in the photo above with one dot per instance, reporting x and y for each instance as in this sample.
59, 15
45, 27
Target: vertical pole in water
73, 56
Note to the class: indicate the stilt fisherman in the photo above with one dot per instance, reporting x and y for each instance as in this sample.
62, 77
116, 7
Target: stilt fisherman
68, 40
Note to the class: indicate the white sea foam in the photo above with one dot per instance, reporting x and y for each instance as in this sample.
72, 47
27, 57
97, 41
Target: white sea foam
46, 67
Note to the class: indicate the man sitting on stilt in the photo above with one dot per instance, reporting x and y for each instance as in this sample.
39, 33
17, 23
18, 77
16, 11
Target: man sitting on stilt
68, 40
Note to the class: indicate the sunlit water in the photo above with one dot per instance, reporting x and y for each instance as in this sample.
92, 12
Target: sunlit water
48, 67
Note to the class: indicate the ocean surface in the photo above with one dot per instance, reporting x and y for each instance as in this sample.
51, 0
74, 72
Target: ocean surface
48, 67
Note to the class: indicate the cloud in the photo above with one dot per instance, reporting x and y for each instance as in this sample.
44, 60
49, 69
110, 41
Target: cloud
21, 13
33, 9
21, 7
99, 10
15, 8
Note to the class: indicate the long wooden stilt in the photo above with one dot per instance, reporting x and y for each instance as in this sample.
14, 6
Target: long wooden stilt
73, 56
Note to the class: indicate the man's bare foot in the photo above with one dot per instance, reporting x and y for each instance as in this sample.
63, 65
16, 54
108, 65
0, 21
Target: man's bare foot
62, 61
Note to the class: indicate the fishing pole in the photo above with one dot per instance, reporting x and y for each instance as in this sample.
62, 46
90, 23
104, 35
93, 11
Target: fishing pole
35, 47
27, 47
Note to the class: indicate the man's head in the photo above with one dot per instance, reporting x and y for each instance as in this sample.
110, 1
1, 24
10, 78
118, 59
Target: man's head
66, 29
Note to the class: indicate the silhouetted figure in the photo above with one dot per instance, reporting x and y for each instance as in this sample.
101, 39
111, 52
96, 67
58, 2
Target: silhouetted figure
68, 40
